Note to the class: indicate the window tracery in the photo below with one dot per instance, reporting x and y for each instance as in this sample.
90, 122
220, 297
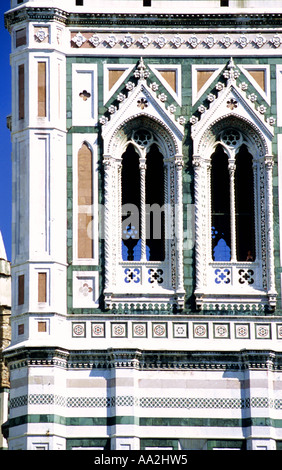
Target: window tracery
142, 249
232, 199
233, 217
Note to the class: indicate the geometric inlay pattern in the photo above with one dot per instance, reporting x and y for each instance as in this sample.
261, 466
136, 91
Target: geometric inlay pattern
98, 330
78, 330
139, 330
221, 330
263, 331
119, 330
144, 329
180, 330
200, 330
159, 330
242, 331
147, 402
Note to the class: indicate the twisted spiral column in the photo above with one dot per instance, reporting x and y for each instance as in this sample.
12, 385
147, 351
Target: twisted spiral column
179, 223
232, 168
269, 224
107, 220
197, 164
142, 167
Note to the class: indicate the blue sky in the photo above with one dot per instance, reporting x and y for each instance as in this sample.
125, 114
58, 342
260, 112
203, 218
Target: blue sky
5, 137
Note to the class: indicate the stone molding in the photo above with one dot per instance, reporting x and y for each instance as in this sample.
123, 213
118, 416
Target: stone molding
246, 21
145, 360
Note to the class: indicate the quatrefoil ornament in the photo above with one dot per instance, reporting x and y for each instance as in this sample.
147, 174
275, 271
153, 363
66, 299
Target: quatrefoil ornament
84, 95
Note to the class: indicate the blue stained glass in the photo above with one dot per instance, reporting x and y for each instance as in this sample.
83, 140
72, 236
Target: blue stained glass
137, 251
221, 251
124, 252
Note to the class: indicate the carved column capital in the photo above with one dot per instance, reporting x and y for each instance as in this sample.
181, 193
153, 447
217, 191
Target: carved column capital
231, 168
107, 161
197, 161
269, 162
179, 163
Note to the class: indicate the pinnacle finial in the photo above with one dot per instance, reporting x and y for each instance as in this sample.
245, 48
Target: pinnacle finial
142, 73
232, 73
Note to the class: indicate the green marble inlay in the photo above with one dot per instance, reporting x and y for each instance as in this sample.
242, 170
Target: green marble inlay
187, 109
134, 420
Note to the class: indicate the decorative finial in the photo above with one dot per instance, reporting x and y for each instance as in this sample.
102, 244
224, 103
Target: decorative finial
142, 73
232, 73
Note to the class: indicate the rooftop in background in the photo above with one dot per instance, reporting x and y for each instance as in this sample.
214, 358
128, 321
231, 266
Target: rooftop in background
156, 6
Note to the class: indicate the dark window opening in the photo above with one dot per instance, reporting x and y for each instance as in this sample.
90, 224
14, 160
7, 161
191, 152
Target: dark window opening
220, 206
147, 3
21, 37
155, 217
245, 206
130, 177
79, 2
21, 289
21, 79
224, 3
132, 235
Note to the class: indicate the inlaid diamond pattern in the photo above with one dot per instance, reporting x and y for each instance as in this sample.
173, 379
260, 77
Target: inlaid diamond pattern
147, 402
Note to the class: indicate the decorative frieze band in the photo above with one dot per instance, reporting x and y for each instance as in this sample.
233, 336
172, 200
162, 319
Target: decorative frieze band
239, 330
146, 402
204, 41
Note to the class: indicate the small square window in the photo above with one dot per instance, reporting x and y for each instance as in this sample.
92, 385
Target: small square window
21, 329
79, 2
21, 37
224, 3
147, 3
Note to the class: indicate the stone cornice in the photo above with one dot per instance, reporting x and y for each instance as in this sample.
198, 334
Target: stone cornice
144, 359
34, 14
244, 21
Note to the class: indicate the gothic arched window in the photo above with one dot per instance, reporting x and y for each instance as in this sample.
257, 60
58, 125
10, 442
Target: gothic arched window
130, 178
155, 194
245, 206
143, 174
227, 199
220, 206
233, 219
143, 219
